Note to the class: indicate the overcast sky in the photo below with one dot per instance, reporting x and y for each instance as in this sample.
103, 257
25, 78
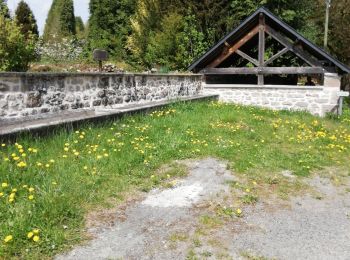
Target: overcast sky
41, 9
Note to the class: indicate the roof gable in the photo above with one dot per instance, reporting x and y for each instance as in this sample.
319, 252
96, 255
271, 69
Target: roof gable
275, 24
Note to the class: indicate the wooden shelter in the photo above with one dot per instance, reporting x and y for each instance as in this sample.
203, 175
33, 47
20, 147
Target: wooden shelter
265, 50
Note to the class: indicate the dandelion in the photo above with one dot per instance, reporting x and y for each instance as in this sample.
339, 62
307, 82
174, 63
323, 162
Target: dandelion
36, 238
31, 189
4, 185
31, 197
8, 238
21, 165
1, 194
239, 211
30, 235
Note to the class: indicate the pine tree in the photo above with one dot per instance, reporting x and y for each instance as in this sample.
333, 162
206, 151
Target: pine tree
60, 21
67, 18
26, 20
109, 25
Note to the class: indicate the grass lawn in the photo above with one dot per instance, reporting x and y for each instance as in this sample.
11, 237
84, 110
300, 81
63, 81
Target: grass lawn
48, 184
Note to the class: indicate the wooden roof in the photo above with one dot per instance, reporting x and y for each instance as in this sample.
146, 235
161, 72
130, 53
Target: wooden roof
282, 32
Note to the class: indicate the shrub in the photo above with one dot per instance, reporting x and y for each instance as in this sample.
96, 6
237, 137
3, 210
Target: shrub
67, 49
16, 52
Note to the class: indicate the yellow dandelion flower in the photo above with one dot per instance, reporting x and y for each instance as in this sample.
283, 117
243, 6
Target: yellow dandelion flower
8, 238
239, 211
36, 238
31, 197
4, 185
30, 235
31, 189
1, 194
36, 231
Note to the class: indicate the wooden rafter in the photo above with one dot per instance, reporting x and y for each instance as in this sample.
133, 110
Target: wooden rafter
297, 50
263, 71
247, 57
228, 52
276, 56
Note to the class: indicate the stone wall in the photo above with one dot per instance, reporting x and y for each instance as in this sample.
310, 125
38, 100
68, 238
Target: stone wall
26, 94
316, 100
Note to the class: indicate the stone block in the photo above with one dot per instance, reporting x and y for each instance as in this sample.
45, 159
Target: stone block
332, 80
3, 104
301, 104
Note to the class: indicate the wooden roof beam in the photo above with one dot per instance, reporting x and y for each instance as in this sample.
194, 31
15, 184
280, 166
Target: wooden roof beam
276, 56
247, 57
227, 53
297, 50
263, 71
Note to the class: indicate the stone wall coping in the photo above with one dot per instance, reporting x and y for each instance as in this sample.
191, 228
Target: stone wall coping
232, 86
82, 74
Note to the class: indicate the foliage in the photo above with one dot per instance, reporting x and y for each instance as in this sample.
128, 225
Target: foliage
67, 18
63, 50
109, 25
79, 27
339, 37
56, 180
4, 9
60, 21
176, 44
26, 20
16, 50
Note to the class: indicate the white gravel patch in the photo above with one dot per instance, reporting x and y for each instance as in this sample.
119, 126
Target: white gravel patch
182, 196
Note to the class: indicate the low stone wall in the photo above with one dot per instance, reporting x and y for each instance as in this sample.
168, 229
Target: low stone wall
27, 94
316, 100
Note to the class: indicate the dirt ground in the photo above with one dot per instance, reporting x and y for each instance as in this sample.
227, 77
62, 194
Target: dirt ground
178, 222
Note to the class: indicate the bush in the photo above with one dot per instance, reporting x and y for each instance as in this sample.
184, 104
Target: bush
16, 52
67, 49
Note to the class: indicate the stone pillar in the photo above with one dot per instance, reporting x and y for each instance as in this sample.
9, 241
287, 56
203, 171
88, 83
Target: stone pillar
332, 80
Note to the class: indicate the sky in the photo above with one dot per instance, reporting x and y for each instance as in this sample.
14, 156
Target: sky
41, 8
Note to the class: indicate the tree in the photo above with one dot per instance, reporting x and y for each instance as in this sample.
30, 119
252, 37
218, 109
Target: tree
25, 20
16, 51
79, 27
60, 22
4, 9
109, 25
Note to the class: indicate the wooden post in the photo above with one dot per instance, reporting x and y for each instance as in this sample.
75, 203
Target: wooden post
261, 47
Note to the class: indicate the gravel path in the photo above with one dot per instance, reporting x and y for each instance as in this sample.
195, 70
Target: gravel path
309, 228
149, 224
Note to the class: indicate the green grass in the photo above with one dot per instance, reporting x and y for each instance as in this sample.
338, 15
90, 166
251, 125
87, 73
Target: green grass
103, 162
